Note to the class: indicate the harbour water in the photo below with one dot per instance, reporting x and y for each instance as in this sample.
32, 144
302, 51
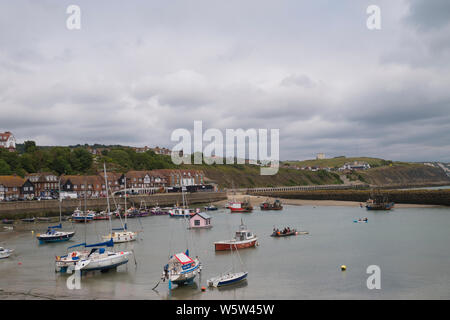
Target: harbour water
410, 245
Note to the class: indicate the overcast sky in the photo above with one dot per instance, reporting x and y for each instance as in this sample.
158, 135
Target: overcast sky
137, 70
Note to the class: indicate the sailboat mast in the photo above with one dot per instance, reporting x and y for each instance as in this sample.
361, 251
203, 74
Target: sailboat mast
60, 199
107, 196
125, 202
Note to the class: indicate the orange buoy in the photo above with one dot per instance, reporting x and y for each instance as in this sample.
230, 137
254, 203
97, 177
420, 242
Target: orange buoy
203, 289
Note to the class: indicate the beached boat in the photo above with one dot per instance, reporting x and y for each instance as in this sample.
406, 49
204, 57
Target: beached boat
55, 236
28, 220
379, 201
276, 205
227, 279
243, 206
97, 258
103, 260
43, 219
181, 269
5, 253
211, 207
7, 221
243, 239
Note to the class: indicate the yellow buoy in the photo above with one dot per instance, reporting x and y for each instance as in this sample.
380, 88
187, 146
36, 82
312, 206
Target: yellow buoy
343, 267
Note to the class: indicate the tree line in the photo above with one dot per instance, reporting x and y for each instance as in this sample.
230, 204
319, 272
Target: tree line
30, 158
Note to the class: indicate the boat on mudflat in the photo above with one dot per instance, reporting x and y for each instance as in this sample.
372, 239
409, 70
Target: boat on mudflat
227, 279
242, 239
243, 206
276, 205
181, 269
5, 253
7, 221
28, 220
53, 235
379, 201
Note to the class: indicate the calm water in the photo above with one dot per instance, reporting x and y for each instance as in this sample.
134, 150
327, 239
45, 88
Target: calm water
411, 246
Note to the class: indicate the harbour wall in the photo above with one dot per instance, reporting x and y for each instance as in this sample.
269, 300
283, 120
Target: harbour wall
431, 197
47, 208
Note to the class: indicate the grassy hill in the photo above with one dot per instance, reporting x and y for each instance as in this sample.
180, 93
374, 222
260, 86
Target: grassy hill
340, 161
248, 176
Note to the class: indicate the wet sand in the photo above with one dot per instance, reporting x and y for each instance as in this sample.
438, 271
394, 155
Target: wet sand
257, 200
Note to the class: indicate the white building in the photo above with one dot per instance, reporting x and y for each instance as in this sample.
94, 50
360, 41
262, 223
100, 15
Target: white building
320, 156
7, 141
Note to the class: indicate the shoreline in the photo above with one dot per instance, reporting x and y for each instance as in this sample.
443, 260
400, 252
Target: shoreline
257, 200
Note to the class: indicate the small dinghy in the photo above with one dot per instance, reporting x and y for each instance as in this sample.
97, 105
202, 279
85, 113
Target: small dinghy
5, 253
211, 207
284, 233
361, 220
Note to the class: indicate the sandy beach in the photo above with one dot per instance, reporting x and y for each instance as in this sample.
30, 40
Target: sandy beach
257, 200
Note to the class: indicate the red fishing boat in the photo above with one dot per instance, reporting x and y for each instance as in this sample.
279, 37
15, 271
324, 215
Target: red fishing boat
243, 239
244, 206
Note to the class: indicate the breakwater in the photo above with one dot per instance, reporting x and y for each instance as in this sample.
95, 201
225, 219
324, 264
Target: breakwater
431, 197
21, 209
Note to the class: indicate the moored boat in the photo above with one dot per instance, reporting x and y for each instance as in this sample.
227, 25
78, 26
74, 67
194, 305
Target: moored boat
379, 201
55, 236
211, 207
227, 279
181, 269
243, 206
242, 239
179, 212
286, 232
5, 253
158, 211
28, 220
276, 205
80, 216
7, 221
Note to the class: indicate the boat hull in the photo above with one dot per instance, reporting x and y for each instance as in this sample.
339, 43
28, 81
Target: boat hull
56, 238
223, 246
237, 210
279, 234
107, 263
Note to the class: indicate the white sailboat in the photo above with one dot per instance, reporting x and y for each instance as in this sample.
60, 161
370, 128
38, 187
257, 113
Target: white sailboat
121, 235
230, 277
97, 258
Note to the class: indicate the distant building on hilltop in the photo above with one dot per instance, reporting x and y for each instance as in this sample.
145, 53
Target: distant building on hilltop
320, 156
8, 141
356, 165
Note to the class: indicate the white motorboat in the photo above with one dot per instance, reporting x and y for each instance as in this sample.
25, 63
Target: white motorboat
5, 253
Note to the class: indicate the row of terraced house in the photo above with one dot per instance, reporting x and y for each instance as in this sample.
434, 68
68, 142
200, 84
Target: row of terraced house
46, 184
